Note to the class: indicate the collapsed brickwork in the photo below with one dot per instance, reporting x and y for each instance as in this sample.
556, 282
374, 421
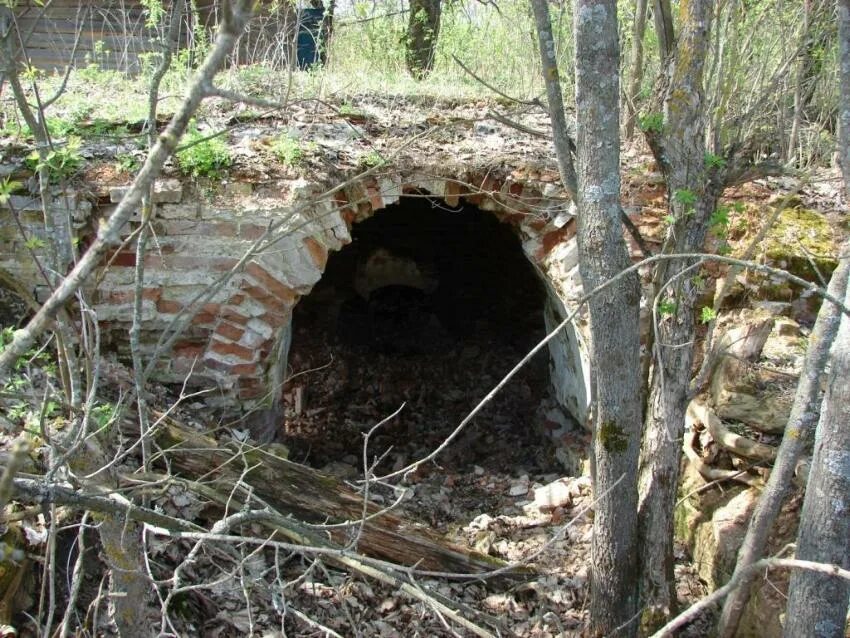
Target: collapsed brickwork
237, 264
229, 258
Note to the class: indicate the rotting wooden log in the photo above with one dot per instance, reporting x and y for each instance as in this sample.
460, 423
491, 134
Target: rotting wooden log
314, 498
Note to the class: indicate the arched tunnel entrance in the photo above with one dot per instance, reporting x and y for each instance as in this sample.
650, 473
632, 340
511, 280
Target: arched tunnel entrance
428, 306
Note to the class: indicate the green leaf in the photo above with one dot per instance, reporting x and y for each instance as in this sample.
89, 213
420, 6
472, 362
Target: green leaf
685, 197
667, 307
707, 315
7, 187
651, 122
714, 161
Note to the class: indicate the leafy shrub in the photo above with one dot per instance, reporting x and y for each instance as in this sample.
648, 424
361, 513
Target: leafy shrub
61, 162
287, 150
202, 155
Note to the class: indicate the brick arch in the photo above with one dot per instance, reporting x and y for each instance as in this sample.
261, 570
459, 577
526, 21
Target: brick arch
248, 344
237, 341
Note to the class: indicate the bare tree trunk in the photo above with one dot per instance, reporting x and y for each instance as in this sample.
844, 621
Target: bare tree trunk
637, 67
817, 603
796, 121
563, 145
423, 29
800, 424
615, 349
662, 15
844, 93
692, 192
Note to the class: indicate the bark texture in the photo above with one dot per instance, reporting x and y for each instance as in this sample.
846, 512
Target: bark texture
636, 79
692, 190
844, 92
797, 433
817, 603
615, 346
563, 145
423, 29
663, 17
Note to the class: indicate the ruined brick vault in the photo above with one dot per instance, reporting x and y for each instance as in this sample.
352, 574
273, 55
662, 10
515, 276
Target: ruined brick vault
235, 266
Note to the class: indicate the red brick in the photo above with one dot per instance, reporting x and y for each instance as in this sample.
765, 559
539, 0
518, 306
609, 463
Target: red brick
271, 283
229, 331
269, 302
318, 252
168, 306
124, 258
565, 233
246, 354
203, 319
188, 349
252, 231
341, 198
275, 319
244, 369
251, 392
375, 197
490, 184
234, 317
453, 192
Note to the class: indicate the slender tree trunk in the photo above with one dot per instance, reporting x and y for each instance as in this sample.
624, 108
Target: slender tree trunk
692, 192
551, 77
800, 78
423, 29
797, 434
637, 67
817, 603
662, 16
844, 93
615, 350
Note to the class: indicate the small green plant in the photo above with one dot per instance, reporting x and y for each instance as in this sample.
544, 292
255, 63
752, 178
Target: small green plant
651, 122
103, 414
127, 163
202, 155
686, 198
61, 162
287, 150
667, 307
35, 243
7, 187
371, 159
714, 161
719, 222
707, 314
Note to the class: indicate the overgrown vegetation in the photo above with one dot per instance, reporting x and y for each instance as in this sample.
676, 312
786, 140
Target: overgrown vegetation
758, 95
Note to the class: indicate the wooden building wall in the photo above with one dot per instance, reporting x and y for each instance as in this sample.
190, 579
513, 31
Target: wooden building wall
113, 34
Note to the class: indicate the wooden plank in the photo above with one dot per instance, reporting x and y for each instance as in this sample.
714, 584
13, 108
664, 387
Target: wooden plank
89, 42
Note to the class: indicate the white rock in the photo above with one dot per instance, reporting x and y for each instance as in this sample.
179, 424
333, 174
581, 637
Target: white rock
552, 495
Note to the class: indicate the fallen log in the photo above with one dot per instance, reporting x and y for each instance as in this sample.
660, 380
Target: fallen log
314, 498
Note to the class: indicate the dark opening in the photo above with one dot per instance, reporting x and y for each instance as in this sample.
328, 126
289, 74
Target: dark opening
428, 306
